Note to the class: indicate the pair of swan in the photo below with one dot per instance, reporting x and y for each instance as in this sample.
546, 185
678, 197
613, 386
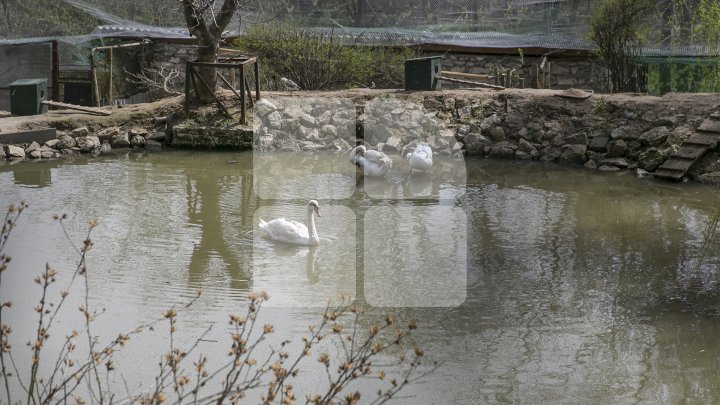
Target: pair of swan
374, 163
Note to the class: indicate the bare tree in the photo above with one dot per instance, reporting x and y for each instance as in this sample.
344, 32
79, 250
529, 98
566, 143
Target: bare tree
208, 25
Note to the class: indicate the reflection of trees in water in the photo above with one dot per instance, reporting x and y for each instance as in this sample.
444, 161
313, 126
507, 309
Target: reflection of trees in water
206, 186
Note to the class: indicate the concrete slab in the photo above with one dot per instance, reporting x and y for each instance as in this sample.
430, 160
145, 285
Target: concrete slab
39, 136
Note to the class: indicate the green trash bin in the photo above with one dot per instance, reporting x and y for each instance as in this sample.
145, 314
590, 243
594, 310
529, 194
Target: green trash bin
26, 95
420, 73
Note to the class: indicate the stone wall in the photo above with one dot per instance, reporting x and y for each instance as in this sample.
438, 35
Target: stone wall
565, 72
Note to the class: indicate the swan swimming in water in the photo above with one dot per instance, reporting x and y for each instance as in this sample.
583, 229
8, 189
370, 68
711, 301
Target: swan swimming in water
373, 163
420, 157
293, 232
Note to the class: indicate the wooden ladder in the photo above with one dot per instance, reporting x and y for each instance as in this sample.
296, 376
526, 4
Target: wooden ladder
692, 149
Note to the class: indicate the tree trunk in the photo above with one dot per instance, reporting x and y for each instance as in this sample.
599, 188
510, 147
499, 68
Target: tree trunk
208, 34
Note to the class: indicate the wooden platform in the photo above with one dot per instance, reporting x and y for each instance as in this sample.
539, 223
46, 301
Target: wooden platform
692, 149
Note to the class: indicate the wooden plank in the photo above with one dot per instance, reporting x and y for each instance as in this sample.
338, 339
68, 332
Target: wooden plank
465, 75
669, 174
677, 164
699, 139
74, 107
690, 151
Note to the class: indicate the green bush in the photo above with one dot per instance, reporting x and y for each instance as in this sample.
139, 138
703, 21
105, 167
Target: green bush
322, 61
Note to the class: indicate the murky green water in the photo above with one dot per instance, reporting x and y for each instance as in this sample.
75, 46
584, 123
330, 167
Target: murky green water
531, 283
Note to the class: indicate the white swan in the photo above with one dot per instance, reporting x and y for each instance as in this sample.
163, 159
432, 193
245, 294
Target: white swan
373, 163
293, 232
420, 157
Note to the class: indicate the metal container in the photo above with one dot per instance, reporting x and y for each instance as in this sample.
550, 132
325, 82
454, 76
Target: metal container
420, 73
26, 95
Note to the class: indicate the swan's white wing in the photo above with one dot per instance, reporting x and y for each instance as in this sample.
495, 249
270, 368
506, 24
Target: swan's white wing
285, 231
421, 158
379, 158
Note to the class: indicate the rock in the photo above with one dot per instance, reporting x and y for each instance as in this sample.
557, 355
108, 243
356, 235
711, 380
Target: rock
32, 148
311, 146
650, 159
655, 136
52, 143
36, 154
293, 111
2, 152
710, 178
107, 134
590, 164
88, 143
264, 143
617, 162
328, 132
263, 107
640, 173
558, 140
152, 145
273, 120
526, 147
47, 154
12, 151
616, 148
307, 120
608, 168
157, 136
393, 144
578, 138
137, 141
457, 147
624, 133
502, 150
497, 134
679, 135
573, 154
475, 143
550, 153
65, 142
82, 131
489, 122
339, 145
120, 140
599, 143
138, 132
444, 138
666, 121
105, 148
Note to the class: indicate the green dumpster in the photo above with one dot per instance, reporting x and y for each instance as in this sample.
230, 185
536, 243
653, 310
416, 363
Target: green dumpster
26, 95
420, 73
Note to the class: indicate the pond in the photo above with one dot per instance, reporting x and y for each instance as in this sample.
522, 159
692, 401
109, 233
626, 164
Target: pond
529, 282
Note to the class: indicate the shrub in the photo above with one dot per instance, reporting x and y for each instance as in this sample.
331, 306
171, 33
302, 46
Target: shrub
322, 61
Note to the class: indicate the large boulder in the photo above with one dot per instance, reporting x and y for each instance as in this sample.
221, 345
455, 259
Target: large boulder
107, 134
573, 154
599, 143
476, 144
121, 140
14, 152
655, 136
82, 131
502, 150
137, 141
65, 142
264, 107
616, 148
32, 148
650, 159
88, 143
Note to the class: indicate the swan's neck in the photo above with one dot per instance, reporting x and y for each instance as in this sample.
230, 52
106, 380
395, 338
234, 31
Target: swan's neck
312, 232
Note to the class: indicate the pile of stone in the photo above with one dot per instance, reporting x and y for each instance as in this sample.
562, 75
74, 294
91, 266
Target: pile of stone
81, 140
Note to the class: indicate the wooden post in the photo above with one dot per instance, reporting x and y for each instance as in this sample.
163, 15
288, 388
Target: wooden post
110, 91
93, 72
188, 72
242, 95
257, 81
55, 79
